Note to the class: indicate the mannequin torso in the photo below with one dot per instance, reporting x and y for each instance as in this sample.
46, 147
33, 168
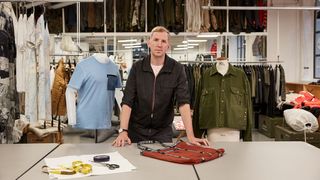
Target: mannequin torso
223, 134
102, 58
222, 66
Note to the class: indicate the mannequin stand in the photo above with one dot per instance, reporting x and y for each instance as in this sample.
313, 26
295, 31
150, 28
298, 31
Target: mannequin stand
96, 136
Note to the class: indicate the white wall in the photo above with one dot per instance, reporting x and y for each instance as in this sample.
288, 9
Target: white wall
295, 48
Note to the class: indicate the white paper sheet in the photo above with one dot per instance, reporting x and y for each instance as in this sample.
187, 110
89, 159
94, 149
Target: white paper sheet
97, 169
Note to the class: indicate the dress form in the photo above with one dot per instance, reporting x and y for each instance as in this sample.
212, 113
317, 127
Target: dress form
222, 65
71, 93
223, 134
97, 60
101, 57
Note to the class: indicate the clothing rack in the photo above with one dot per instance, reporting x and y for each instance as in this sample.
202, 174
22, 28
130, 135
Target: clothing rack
234, 62
67, 54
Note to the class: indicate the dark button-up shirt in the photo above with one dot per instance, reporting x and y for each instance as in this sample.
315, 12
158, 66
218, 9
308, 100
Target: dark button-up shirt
152, 98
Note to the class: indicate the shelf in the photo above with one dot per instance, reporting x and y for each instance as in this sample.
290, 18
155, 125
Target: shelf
296, 87
147, 34
261, 7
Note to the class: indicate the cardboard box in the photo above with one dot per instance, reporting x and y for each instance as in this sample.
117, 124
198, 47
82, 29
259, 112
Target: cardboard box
56, 137
267, 125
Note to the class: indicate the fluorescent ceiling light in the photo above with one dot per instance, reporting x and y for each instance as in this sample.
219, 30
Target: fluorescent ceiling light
189, 44
132, 44
207, 35
130, 47
197, 40
193, 44
127, 40
180, 48
182, 45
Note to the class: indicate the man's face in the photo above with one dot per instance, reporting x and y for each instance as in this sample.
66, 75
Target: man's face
158, 44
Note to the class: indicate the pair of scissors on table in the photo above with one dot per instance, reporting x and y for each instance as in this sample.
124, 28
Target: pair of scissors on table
103, 159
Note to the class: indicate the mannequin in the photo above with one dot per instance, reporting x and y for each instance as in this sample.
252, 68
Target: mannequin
222, 65
102, 58
223, 134
94, 92
71, 93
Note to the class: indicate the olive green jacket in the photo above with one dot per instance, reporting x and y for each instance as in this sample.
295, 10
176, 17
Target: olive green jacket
223, 101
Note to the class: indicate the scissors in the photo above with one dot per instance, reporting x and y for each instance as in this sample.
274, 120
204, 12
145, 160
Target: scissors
103, 159
112, 166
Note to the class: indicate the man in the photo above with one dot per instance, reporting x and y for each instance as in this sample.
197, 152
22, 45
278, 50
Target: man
148, 102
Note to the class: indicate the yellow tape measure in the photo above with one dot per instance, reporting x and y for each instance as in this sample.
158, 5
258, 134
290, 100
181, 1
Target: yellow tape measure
77, 167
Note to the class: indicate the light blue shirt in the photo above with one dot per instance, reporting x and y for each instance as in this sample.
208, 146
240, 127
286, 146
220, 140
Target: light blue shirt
96, 83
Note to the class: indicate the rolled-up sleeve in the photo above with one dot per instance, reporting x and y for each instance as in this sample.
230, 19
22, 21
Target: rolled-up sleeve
130, 90
182, 91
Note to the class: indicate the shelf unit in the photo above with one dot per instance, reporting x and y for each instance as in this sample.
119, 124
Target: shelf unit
296, 87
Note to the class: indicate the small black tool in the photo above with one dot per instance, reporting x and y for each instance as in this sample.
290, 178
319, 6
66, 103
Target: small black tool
101, 158
112, 166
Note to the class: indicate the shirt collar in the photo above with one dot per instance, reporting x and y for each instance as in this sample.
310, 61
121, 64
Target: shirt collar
167, 66
231, 70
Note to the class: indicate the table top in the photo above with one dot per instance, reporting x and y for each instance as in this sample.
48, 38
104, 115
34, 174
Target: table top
147, 168
242, 160
263, 161
18, 158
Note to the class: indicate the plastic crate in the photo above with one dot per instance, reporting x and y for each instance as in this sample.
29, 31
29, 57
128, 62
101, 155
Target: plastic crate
267, 125
287, 134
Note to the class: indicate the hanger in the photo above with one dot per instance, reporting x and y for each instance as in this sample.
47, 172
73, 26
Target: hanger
44, 7
74, 62
33, 8
69, 63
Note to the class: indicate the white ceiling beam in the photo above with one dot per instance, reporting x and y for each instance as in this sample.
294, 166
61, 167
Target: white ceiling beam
61, 5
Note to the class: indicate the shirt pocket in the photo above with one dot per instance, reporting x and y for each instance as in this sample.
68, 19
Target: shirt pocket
238, 107
237, 96
112, 82
208, 97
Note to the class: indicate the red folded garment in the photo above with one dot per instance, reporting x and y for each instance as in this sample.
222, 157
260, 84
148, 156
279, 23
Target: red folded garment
184, 153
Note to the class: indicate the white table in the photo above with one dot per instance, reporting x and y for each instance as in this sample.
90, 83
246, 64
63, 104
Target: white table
147, 168
18, 158
263, 161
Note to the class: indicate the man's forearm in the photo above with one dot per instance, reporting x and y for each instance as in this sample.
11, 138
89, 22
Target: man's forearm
125, 116
187, 120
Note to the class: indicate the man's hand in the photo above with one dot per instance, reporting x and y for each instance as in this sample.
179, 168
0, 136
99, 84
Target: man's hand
122, 140
198, 141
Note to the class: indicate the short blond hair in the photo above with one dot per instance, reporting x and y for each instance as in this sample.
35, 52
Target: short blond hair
160, 29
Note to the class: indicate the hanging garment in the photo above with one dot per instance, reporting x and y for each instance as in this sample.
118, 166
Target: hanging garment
31, 108
58, 90
95, 83
8, 93
205, 18
214, 49
43, 48
223, 101
169, 15
21, 53
193, 15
